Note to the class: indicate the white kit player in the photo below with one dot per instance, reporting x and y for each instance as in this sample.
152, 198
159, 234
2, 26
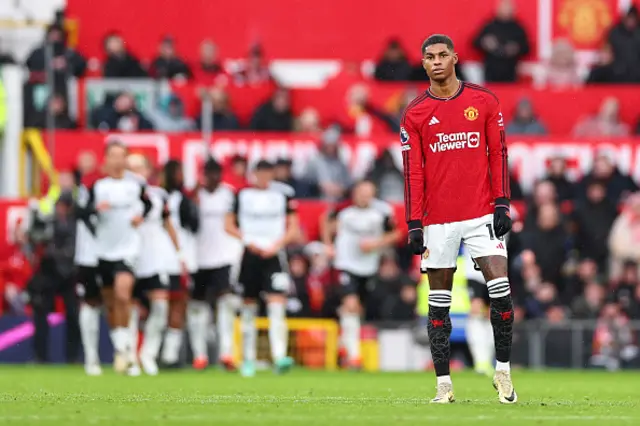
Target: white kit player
217, 254
86, 261
120, 204
265, 220
182, 265
152, 282
362, 229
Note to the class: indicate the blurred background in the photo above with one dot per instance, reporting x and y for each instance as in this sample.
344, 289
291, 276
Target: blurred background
318, 86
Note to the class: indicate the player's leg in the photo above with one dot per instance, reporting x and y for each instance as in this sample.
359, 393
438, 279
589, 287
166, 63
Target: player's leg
118, 333
226, 305
123, 283
478, 329
491, 256
439, 261
276, 283
158, 295
199, 318
177, 308
350, 312
89, 319
250, 281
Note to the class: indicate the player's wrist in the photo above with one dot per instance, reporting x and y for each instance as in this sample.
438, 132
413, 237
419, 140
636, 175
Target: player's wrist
503, 202
415, 225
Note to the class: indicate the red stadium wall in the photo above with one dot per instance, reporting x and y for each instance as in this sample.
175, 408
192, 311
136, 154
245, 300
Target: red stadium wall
350, 30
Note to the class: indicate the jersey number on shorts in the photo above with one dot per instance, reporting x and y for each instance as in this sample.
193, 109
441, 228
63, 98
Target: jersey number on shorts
491, 234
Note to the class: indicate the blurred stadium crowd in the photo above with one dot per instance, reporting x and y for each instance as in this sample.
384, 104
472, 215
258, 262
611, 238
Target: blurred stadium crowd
575, 248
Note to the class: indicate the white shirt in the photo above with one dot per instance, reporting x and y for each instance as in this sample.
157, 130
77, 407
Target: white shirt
215, 247
85, 254
186, 239
262, 215
116, 238
355, 225
153, 236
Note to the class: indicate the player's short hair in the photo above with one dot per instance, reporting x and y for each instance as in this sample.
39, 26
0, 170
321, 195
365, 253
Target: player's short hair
115, 143
212, 165
264, 165
437, 39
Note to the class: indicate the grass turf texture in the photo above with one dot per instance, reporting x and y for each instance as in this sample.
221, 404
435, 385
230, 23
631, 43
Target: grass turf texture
65, 396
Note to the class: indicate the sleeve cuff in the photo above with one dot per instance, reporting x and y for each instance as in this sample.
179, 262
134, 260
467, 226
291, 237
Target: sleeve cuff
503, 202
414, 224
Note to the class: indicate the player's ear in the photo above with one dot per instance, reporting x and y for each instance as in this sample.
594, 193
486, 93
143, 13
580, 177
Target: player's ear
455, 58
424, 63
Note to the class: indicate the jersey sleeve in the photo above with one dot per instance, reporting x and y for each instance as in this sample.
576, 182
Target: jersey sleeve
146, 202
497, 151
413, 162
292, 205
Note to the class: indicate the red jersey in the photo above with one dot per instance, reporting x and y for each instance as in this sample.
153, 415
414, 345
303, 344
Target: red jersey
454, 155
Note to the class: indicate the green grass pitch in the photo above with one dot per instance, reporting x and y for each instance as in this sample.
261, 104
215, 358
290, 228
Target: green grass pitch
65, 396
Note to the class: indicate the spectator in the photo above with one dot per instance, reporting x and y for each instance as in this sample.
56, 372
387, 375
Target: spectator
283, 174
605, 123
209, 68
167, 64
613, 339
557, 175
588, 305
394, 293
388, 178
393, 66
235, 174
503, 42
604, 170
607, 70
298, 304
593, 219
308, 121
169, 116
120, 63
541, 299
543, 193
364, 118
561, 71
625, 289
524, 120
275, 114
223, 118
66, 62
253, 71
624, 239
516, 189
327, 170
625, 42
548, 243
121, 114
57, 106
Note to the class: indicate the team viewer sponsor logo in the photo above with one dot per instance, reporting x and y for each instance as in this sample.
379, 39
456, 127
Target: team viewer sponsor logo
455, 141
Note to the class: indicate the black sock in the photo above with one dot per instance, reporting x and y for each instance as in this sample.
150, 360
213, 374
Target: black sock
502, 323
439, 328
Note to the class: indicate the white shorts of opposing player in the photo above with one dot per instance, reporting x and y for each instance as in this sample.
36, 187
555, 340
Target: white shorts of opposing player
443, 242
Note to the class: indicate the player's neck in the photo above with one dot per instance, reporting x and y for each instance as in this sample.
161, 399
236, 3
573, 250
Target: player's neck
445, 89
117, 175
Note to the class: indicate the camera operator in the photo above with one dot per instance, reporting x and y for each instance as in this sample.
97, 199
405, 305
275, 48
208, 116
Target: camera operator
52, 234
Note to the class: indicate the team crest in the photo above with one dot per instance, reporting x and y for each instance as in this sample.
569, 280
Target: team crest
425, 255
471, 113
404, 136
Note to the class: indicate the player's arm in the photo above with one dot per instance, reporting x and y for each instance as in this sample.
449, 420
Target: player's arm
414, 182
168, 226
391, 234
189, 216
231, 220
146, 202
85, 212
498, 167
292, 232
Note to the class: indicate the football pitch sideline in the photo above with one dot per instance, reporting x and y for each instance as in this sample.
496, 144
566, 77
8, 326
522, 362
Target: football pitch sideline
32, 395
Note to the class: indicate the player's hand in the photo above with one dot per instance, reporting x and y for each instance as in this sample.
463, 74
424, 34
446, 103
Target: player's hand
330, 251
369, 245
416, 238
103, 206
501, 218
183, 268
136, 221
254, 249
271, 251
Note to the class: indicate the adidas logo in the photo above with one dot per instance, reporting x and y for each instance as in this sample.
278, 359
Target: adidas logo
433, 121
500, 246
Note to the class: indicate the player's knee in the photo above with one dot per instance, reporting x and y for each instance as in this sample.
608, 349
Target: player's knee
477, 308
351, 304
276, 298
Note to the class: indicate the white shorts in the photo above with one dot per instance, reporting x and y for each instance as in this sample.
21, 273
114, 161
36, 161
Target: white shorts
443, 242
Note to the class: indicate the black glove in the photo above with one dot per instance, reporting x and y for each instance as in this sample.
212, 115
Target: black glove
502, 218
416, 238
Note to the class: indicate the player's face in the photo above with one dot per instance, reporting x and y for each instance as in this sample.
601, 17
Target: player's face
264, 177
116, 159
439, 62
363, 194
212, 178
